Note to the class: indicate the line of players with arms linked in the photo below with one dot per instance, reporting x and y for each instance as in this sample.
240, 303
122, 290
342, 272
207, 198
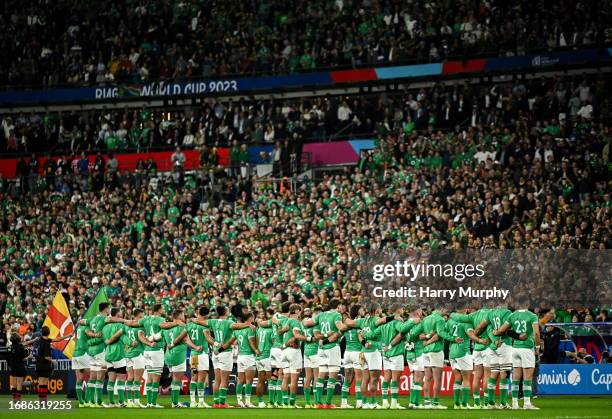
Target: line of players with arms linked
485, 346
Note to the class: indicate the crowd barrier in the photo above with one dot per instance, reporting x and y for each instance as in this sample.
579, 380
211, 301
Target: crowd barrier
339, 152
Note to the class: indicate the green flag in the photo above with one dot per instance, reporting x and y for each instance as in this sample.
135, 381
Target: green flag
101, 297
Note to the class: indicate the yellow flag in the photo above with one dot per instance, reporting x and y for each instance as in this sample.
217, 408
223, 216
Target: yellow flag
59, 322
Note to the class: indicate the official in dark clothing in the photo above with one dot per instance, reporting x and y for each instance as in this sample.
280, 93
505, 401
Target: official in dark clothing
17, 356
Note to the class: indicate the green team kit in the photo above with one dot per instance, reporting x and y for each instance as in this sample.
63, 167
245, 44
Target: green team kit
417, 342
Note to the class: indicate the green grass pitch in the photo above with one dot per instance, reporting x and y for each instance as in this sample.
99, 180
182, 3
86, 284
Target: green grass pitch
562, 407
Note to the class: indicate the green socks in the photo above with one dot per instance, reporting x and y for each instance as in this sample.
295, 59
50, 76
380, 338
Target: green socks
307, 395
239, 388
457, 393
175, 390
155, 391
200, 387
418, 387
394, 390
193, 389
79, 391
515, 390
465, 395
110, 391
345, 391
222, 395
248, 389
319, 390
121, 391
89, 393
385, 391
129, 389
331, 386
271, 391
503, 391
358, 390
527, 391
98, 390
491, 390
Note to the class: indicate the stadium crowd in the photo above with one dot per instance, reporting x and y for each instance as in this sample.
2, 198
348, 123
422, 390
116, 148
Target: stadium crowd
76, 43
548, 105
522, 179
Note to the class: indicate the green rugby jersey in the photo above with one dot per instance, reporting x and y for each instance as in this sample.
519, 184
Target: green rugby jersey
264, 342
96, 324
388, 331
82, 343
243, 336
131, 335
221, 329
413, 345
352, 340
150, 325
522, 321
293, 324
327, 324
277, 341
116, 350
458, 329
434, 323
474, 319
495, 318
176, 355
370, 333
196, 334
311, 348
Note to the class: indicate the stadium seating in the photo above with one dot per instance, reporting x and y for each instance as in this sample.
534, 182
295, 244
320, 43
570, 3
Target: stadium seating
486, 108
79, 43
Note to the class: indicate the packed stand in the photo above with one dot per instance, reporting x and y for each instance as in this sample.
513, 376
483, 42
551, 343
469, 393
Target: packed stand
547, 104
221, 238
78, 43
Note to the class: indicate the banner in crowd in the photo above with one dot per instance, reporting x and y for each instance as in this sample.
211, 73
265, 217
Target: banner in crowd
59, 322
204, 88
561, 379
339, 152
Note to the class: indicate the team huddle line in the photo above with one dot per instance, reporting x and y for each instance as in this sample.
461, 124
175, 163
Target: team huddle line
486, 345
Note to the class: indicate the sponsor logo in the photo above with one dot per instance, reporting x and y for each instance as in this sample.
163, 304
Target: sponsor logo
601, 379
573, 377
560, 378
580, 379
543, 60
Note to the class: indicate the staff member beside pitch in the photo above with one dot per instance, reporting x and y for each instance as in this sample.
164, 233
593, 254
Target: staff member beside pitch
17, 357
44, 361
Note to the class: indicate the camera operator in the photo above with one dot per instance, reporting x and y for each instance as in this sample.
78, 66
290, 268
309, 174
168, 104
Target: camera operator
580, 357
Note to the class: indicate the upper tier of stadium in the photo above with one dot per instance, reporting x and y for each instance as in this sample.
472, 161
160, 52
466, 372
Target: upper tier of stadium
70, 42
